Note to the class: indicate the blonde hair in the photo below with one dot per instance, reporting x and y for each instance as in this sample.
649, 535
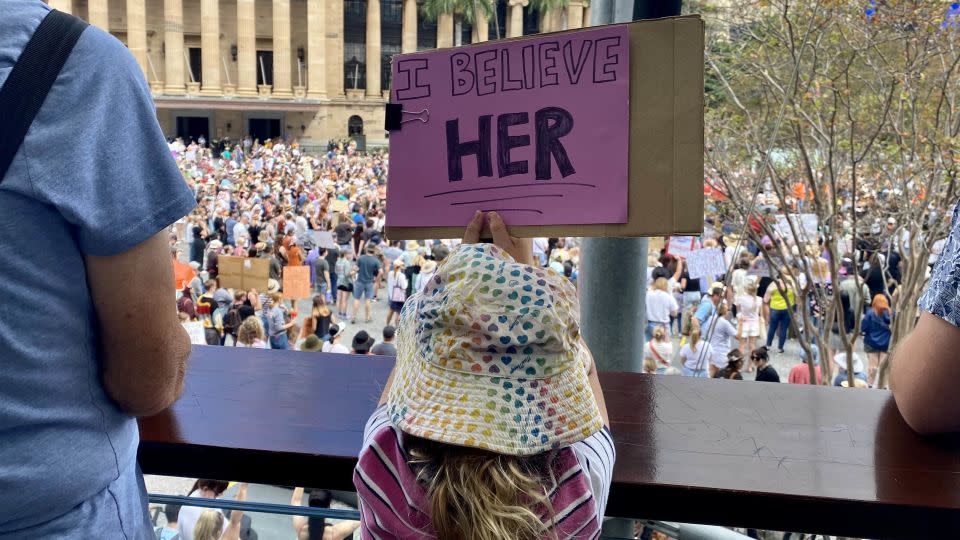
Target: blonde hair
251, 329
661, 284
649, 365
694, 333
209, 526
483, 495
751, 288
659, 333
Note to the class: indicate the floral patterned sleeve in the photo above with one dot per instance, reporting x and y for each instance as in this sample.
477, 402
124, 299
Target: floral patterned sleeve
942, 297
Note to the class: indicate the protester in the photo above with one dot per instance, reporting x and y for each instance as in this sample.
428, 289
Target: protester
499, 470
719, 332
311, 344
212, 527
321, 272
840, 359
749, 318
362, 343
333, 344
733, 367
309, 528
170, 530
322, 317
876, 333
397, 290
780, 301
386, 347
346, 273
800, 373
427, 271
251, 334
708, 305
659, 350
660, 307
277, 324
368, 270
90, 337
695, 355
765, 372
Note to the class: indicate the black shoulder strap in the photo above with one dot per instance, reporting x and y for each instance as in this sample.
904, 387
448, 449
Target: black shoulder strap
30, 79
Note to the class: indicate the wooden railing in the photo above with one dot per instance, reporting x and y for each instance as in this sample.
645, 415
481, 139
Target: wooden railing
769, 456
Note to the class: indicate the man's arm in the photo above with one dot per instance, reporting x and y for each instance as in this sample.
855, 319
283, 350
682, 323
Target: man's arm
924, 374
143, 357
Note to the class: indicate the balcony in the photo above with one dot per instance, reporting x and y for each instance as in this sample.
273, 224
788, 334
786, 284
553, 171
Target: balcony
744, 454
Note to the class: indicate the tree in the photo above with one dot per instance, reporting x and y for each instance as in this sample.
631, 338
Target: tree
461, 10
854, 115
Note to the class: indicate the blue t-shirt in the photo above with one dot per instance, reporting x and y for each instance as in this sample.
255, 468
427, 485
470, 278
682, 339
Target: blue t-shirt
67, 453
705, 310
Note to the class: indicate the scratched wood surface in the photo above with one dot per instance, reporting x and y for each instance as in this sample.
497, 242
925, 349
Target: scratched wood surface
752, 454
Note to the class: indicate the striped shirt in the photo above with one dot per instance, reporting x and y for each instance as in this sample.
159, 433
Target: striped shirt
394, 505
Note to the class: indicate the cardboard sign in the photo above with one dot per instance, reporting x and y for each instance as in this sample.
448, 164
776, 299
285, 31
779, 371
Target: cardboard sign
296, 282
323, 239
806, 226
342, 207
195, 331
533, 129
663, 141
244, 274
682, 246
706, 263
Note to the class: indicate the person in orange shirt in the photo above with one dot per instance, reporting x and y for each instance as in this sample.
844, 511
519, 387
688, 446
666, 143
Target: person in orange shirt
800, 373
294, 253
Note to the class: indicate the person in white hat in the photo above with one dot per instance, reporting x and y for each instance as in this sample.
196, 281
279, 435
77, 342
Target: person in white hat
493, 398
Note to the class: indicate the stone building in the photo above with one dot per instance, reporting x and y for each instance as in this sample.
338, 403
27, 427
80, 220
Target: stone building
312, 69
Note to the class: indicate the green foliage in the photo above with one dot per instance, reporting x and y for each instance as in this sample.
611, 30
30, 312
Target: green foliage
461, 9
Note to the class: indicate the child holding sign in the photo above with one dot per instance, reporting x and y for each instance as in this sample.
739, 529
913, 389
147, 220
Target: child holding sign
505, 336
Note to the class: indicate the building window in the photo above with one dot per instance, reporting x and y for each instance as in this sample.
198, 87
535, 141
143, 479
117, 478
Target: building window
264, 67
531, 21
426, 30
195, 63
391, 32
354, 44
497, 24
354, 126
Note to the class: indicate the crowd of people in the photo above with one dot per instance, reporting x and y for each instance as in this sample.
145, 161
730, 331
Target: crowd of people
277, 202
746, 313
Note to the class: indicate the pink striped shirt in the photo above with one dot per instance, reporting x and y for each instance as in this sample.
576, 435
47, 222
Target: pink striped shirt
394, 505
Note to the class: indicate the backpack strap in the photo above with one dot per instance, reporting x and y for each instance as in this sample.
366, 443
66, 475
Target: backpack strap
31, 78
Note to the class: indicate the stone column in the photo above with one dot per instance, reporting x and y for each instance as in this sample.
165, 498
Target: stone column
586, 17
575, 14
444, 30
61, 5
246, 48
137, 33
373, 49
316, 49
481, 27
210, 47
98, 14
173, 63
516, 17
335, 65
282, 85
408, 40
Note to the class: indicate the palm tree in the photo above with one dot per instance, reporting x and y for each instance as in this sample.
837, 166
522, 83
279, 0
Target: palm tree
461, 10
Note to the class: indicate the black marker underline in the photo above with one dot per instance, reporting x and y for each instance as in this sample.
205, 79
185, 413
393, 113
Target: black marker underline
505, 199
512, 210
509, 186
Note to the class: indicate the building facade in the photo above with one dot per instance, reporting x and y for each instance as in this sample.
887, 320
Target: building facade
310, 69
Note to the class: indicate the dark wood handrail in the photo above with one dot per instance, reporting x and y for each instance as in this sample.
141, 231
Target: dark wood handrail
781, 457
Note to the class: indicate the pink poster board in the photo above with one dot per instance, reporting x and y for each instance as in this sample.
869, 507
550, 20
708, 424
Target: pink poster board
536, 129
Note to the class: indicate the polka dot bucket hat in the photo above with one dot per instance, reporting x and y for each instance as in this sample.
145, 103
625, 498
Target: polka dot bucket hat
490, 356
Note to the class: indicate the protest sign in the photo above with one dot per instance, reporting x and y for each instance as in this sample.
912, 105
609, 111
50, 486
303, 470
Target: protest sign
590, 132
323, 239
296, 282
682, 246
342, 207
706, 263
244, 274
195, 331
806, 226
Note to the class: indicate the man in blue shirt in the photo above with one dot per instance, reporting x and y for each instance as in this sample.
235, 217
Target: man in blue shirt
89, 338
708, 304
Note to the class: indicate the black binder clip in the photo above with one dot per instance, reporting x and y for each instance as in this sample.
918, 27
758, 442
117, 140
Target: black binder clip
394, 116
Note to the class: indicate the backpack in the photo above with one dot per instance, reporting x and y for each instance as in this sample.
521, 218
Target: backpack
231, 321
686, 321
